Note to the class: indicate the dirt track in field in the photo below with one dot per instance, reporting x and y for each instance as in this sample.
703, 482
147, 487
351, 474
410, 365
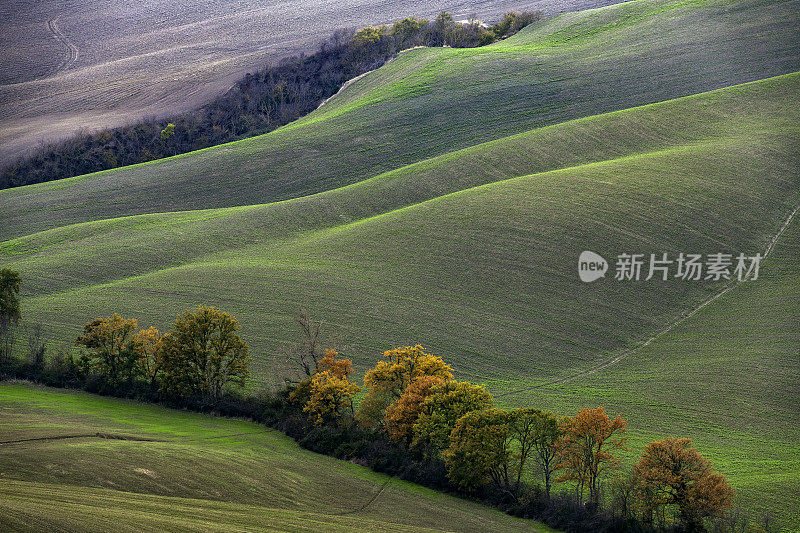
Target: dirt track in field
71, 50
98, 435
666, 329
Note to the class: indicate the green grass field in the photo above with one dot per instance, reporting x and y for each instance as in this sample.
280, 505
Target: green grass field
428, 102
444, 199
194, 472
722, 163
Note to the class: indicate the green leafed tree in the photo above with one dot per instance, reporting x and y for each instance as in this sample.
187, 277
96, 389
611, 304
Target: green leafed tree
408, 31
535, 434
203, 354
446, 403
109, 346
168, 131
479, 450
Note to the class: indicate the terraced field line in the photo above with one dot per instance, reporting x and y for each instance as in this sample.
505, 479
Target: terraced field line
71, 49
229, 436
664, 330
57, 437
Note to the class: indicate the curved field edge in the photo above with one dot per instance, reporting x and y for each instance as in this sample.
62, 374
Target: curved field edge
433, 101
197, 471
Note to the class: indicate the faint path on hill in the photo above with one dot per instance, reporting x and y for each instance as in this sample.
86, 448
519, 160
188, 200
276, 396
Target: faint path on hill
71, 49
98, 435
661, 332
366, 504
229, 436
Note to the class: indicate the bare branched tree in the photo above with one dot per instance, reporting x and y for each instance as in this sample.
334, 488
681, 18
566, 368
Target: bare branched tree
310, 347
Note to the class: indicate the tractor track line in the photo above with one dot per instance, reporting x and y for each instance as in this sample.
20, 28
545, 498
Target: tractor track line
71, 49
661, 332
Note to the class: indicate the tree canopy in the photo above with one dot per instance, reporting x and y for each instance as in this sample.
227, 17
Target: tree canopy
403, 413
203, 353
108, 341
448, 401
585, 448
330, 390
672, 472
479, 450
10, 284
387, 381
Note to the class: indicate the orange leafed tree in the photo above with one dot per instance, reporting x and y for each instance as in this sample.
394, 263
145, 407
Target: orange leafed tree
389, 378
403, 414
585, 449
340, 368
672, 472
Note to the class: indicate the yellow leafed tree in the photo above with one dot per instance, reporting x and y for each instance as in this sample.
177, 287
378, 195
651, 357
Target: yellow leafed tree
147, 348
330, 389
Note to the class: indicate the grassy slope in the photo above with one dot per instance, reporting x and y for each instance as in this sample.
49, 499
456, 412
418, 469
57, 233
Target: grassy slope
722, 163
432, 101
503, 221
726, 171
728, 377
199, 472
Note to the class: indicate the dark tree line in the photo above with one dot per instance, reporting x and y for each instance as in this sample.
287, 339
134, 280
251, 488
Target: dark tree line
259, 103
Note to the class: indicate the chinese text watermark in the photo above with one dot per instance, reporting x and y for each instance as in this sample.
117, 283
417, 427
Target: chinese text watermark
686, 267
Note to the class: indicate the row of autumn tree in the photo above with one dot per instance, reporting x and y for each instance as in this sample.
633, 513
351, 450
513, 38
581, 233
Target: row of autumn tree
413, 398
200, 359
414, 420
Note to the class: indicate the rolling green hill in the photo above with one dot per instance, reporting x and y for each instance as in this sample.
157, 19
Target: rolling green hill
432, 101
190, 471
444, 199
721, 163
723, 179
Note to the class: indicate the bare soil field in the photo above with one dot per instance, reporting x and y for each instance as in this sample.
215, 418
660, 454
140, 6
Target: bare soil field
73, 66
